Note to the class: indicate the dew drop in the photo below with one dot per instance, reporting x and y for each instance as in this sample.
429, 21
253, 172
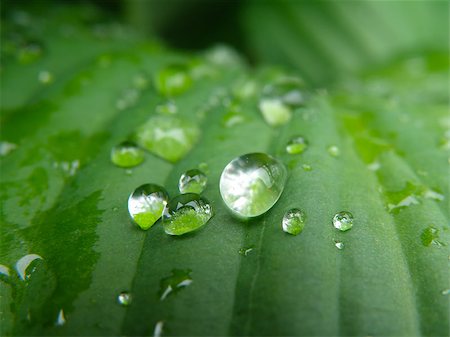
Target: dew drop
127, 154
172, 284
275, 113
186, 213
343, 221
157, 332
23, 263
140, 81
296, 145
45, 77
339, 244
430, 236
307, 167
252, 183
168, 108
168, 137
61, 319
245, 250
293, 221
127, 99
223, 56
124, 298
374, 166
333, 151
146, 204
6, 148
173, 80
192, 181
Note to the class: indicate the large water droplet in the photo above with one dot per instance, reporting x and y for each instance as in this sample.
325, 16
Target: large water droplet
293, 221
186, 213
279, 99
127, 154
23, 263
124, 298
430, 236
252, 183
296, 145
146, 204
343, 221
168, 137
192, 181
173, 80
174, 283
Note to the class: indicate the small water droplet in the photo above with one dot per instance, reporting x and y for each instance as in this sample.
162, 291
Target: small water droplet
192, 181
445, 292
338, 244
127, 154
23, 263
127, 99
157, 332
245, 88
296, 145
168, 137
245, 250
333, 150
124, 298
115, 209
45, 77
294, 221
430, 236
186, 213
168, 108
146, 204
129, 172
343, 221
275, 113
6, 148
232, 117
4, 270
173, 80
174, 283
307, 167
252, 183
223, 56
374, 166
60, 320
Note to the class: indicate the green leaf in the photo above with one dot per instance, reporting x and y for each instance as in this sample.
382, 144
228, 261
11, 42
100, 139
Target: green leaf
64, 200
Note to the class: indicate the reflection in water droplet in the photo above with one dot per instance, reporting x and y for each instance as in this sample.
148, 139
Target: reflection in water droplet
333, 150
174, 283
192, 181
168, 137
127, 154
45, 77
293, 221
186, 213
124, 298
4, 270
430, 236
343, 221
173, 80
146, 204
245, 250
168, 108
6, 148
252, 183
157, 332
23, 263
296, 145
61, 320
307, 167
338, 244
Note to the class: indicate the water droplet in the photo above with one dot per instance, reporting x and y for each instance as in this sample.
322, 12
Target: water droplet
307, 167
223, 56
168, 108
45, 77
140, 82
124, 298
192, 181
232, 117
23, 263
127, 154
127, 99
293, 221
174, 283
296, 145
279, 99
338, 244
68, 168
343, 221
333, 150
4, 270
168, 137
252, 183
186, 213
245, 88
375, 166
146, 204
445, 292
61, 320
245, 250
6, 148
430, 236
173, 80
158, 329
204, 167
